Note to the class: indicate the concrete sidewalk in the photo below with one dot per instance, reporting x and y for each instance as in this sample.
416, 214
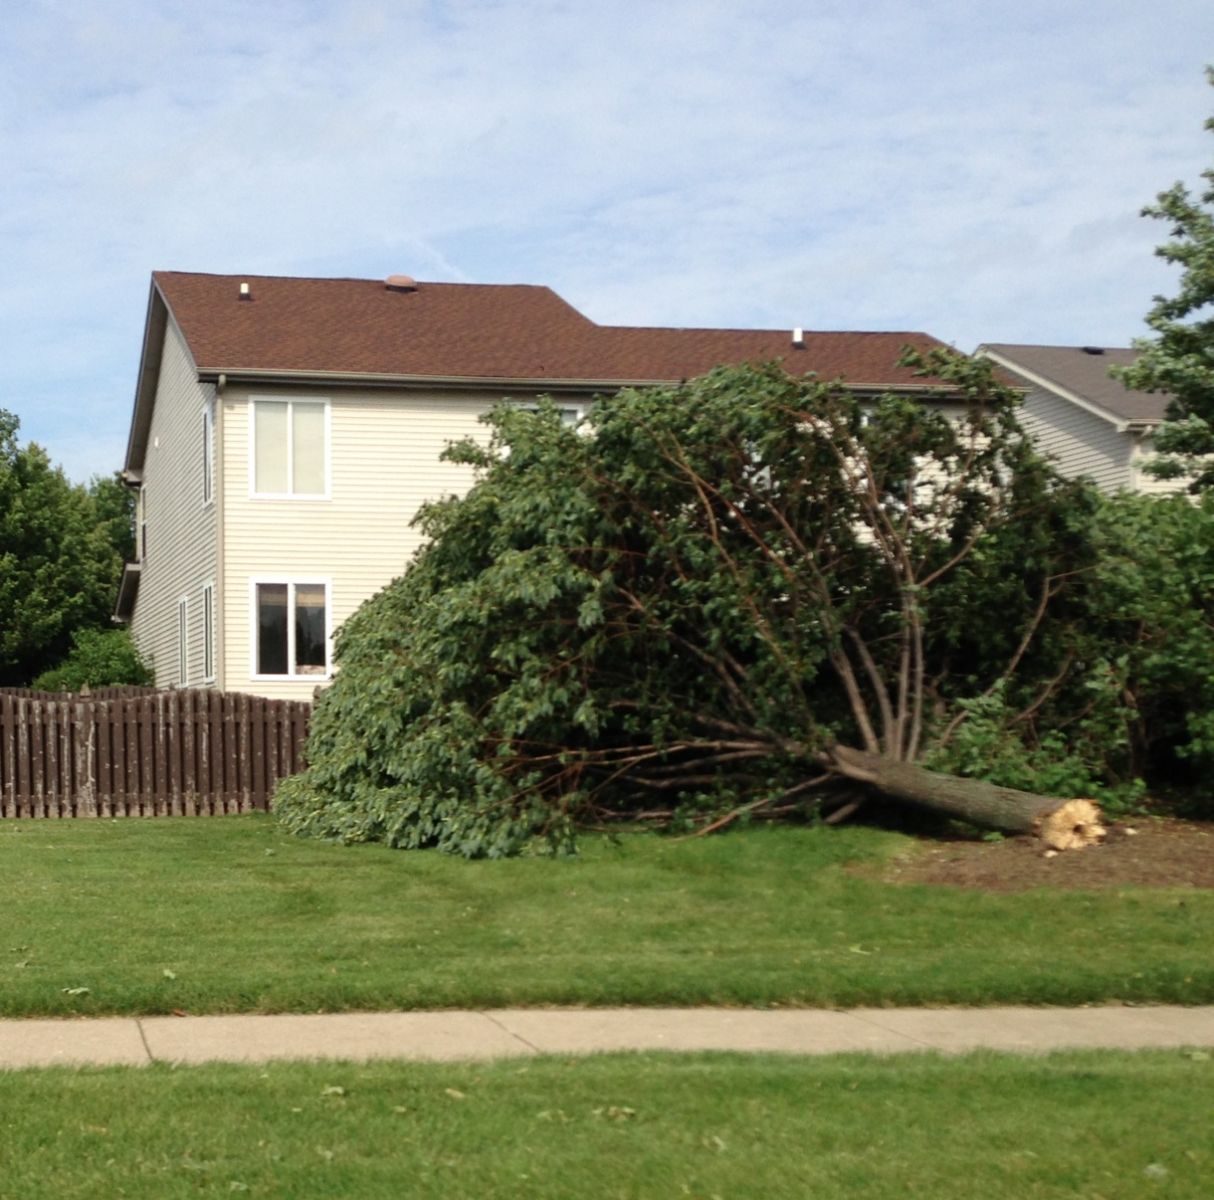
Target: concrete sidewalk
449, 1036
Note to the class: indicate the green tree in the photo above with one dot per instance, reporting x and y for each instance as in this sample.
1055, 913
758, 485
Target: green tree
114, 504
58, 567
747, 592
1154, 599
1179, 358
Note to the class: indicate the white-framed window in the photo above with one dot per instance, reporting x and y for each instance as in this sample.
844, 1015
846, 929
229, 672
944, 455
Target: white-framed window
208, 453
289, 448
571, 413
208, 633
183, 642
290, 628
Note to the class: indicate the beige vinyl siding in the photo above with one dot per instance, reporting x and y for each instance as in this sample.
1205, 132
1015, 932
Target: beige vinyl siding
383, 465
181, 548
1080, 442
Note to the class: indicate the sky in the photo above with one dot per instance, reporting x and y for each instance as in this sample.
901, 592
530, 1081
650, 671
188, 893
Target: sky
973, 170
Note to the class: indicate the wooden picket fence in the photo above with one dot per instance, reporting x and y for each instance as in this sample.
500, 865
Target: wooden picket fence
140, 752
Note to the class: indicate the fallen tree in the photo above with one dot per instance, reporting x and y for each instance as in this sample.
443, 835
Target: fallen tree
728, 597
1059, 824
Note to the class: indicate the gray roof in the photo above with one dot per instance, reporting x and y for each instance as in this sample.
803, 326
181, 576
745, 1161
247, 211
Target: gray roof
1084, 372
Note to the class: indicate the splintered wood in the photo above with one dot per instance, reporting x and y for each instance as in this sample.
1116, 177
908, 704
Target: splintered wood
1071, 826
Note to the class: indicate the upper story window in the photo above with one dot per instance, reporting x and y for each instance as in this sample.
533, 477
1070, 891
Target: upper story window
208, 454
289, 455
570, 414
141, 525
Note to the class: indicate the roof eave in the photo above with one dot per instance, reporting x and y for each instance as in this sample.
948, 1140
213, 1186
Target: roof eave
370, 379
128, 589
594, 386
154, 326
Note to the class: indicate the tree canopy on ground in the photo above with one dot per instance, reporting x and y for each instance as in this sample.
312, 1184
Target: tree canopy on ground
1179, 358
748, 591
59, 564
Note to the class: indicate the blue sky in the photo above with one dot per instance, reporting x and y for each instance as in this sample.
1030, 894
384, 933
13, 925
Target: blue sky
972, 170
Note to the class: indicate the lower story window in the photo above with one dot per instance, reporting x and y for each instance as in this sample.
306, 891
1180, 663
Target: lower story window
183, 643
292, 628
208, 633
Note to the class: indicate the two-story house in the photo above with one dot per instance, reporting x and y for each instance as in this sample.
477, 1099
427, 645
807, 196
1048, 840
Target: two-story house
1088, 422
286, 431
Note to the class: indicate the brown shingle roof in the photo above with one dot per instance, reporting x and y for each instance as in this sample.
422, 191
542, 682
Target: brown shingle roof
1084, 372
354, 327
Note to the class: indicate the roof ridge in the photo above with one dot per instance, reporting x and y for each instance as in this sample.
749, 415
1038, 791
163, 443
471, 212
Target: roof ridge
430, 283
1059, 346
772, 331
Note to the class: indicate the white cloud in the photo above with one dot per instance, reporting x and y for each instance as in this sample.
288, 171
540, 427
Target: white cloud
974, 171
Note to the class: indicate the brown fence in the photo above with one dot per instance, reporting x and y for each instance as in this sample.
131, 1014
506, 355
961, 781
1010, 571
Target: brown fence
141, 752
105, 693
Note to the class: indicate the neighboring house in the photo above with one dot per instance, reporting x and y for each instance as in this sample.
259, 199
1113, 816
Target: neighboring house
1088, 422
286, 431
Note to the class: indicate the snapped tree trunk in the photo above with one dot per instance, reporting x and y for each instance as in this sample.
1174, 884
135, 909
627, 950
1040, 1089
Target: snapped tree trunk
1060, 824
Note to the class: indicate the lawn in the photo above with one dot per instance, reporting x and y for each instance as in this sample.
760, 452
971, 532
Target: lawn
1097, 1125
231, 915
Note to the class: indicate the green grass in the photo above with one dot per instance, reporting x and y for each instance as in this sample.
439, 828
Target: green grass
231, 915
1093, 1125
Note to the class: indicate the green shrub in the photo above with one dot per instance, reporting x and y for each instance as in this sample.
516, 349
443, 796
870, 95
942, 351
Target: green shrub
98, 658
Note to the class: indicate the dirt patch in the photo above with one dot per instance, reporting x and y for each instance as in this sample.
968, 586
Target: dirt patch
1155, 852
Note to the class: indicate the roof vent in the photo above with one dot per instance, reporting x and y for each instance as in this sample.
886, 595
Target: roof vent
1092, 349
401, 283
798, 336
245, 294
